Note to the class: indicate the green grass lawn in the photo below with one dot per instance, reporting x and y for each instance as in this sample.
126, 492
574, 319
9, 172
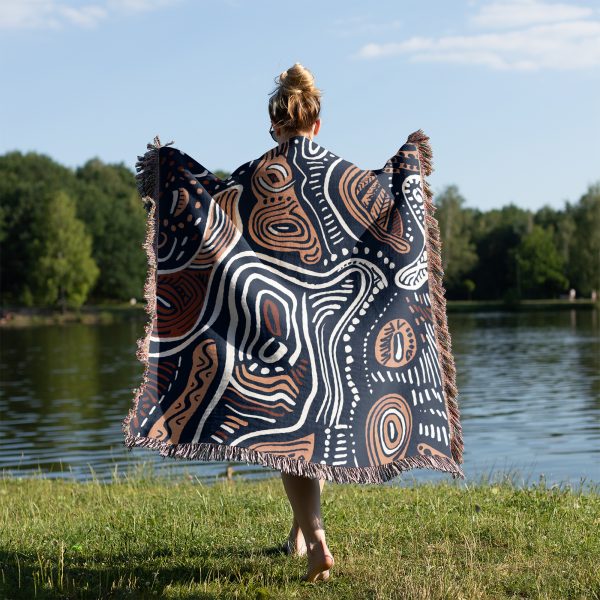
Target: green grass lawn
153, 537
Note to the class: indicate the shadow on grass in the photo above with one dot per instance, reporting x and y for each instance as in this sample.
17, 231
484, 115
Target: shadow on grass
32, 576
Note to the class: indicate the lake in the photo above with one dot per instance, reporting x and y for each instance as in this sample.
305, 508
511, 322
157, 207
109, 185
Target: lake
529, 396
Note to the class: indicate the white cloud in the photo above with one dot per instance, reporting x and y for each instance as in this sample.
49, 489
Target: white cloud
550, 37
47, 14
56, 14
520, 13
138, 5
86, 16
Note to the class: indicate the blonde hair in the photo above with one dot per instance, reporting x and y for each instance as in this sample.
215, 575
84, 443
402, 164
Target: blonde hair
295, 104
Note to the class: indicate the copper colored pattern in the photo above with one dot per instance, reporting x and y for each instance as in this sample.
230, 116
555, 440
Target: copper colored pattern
296, 315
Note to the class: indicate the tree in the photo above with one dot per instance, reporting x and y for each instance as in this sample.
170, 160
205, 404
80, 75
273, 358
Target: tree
113, 212
469, 286
497, 233
26, 184
584, 252
562, 226
458, 251
541, 267
505, 252
65, 270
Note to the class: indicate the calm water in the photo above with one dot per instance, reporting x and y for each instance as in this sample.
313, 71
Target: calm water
529, 395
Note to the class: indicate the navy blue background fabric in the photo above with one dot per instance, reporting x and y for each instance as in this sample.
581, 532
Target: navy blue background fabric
297, 320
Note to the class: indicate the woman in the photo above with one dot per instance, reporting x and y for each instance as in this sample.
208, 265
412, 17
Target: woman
294, 108
298, 318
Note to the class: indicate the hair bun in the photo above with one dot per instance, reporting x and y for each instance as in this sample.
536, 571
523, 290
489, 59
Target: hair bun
295, 103
297, 80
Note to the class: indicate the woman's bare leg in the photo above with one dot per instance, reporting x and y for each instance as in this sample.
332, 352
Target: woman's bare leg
305, 497
297, 544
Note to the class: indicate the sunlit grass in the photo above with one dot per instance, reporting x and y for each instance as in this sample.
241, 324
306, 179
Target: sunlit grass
144, 535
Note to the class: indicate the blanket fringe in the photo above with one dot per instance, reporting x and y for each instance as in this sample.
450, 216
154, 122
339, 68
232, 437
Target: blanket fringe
437, 293
147, 184
207, 451
147, 167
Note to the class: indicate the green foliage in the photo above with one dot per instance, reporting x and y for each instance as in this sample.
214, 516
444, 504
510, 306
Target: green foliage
27, 182
221, 174
65, 268
469, 287
113, 212
458, 252
496, 233
508, 253
519, 253
540, 266
584, 247
107, 203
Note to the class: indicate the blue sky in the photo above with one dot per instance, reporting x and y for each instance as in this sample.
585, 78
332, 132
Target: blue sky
507, 90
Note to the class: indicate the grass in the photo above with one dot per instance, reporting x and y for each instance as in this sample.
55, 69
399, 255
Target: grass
148, 536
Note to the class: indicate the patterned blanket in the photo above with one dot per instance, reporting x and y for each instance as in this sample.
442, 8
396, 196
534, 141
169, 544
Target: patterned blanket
297, 317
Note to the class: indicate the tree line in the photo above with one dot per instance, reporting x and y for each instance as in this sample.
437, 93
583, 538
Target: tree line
74, 236
514, 253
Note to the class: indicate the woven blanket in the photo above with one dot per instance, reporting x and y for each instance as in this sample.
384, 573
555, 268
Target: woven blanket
297, 317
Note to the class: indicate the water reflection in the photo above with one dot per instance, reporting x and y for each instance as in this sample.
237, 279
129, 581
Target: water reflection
529, 395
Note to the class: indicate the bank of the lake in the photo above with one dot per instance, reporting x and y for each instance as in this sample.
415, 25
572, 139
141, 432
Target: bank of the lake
150, 537
98, 314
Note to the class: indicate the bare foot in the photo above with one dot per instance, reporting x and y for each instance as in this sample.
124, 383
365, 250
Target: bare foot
295, 544
323, 576
320, 561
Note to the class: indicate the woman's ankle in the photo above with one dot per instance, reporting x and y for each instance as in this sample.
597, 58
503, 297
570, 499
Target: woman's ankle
316, 542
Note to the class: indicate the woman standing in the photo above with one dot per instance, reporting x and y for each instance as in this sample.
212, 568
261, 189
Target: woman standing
294, 108
298, 316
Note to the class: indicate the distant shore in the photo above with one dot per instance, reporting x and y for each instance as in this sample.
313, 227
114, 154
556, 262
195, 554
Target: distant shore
110, 313
523, 305
95, 314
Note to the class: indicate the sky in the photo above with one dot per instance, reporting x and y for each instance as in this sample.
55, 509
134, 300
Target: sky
507, 90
